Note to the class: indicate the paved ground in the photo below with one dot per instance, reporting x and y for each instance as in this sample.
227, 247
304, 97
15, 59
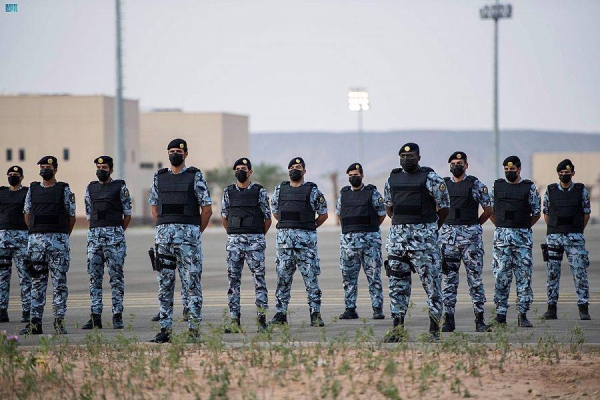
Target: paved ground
141, 294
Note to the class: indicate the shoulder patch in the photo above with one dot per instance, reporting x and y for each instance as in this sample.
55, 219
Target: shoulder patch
380, 200
126, 193
321, 199
443, 187
72, 197
485, 190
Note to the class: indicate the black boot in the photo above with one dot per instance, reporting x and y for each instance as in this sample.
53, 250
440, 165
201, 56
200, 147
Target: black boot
118, 321
234, 325
279, 318
501, 319
164, 336
396, 334
262, 322
378, 313
480, 325
434, 328
25, 317
551, 313
349, 313
156, 318
583, 312
59, 326
316, 320
449, 325
4, 316
186, 314
523, 322
94, 322
33, 327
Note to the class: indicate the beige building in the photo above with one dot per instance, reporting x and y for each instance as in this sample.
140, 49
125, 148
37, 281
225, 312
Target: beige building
587, 171
77, 129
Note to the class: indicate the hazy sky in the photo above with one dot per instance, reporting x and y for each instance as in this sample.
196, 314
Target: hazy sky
289, 64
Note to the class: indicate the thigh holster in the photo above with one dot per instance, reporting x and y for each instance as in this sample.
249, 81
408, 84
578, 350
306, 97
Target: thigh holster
401, 270
552, 252
165, 261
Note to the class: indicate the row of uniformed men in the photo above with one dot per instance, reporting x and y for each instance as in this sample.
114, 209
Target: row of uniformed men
416, 198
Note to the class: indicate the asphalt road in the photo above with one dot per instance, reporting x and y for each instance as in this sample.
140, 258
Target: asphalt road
141, 295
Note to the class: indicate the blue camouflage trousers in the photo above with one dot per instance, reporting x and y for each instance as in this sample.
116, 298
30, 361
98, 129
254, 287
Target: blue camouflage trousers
53, 250
427, 265
506, 261
185, 297
249, 248
471, 254
99, 253
578, 259
307, 261
351, 259
8, 254
189, 263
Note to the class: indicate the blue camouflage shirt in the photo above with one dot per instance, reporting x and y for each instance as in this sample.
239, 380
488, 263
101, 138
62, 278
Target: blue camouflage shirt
357, 240
574, 238
263, 202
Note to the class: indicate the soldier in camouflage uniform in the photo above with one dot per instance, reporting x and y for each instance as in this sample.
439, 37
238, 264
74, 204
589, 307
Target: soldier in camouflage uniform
566, 212
246, 216
108, 208
461, 239
50, 214
182, 207
294, 205
360, 210
517, 207
13, 242
417, 201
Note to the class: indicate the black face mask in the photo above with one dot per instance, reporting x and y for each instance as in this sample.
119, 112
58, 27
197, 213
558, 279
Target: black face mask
355, 181
565, 178
409, 164
511, 176
102, 175
14, 180
241, 175
176, 159
46, 174
457, 170
295, 175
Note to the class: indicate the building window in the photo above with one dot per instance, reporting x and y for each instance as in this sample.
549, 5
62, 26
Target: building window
146, 165
8, 154
21, 154
66, 154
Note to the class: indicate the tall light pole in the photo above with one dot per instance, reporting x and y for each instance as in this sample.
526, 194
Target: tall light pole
358, 100
496, 11
119, 120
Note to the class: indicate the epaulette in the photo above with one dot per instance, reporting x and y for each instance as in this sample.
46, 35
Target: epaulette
471, 178
162, 171
3, 187
257, 186
526, 181
63, 184
396, 170
499, 180
370, 187
345, 189
553, 186
311, 184
119, 181
193, 169
579, 185
426, 169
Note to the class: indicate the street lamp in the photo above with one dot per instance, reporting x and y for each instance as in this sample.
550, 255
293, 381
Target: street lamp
358, 100
496, 11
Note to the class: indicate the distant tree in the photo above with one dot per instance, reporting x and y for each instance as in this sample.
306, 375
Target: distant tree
269, 175
218, 179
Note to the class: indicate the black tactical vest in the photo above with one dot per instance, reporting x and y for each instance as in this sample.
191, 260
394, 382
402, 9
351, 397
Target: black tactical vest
565, 210
295, 210
177, 202
511, 204
357, 213
464, 209
48, 213
412, 202
11, 208
107, 209
245, 215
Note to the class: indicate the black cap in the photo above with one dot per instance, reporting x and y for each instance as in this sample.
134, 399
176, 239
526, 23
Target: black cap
242, 161
178, 144
565, 164
15, 168
355, 166
457, 155
512, 161
296, 160
409, 147
48, 160
104, 160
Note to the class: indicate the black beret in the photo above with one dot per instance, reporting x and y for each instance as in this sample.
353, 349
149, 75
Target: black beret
355, 166
104, 160
15, 168
51, 160
458, 155
178, 143
512, 161
565, 164
242, 161
409, 147
296, 160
